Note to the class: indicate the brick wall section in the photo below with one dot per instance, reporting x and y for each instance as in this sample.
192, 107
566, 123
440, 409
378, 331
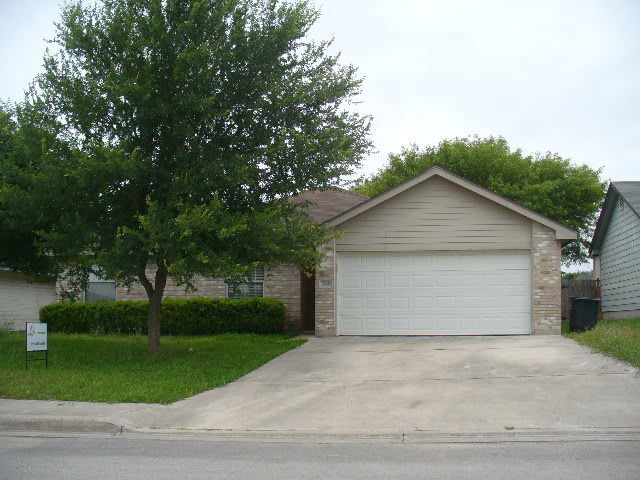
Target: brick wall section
545, 280
206, 287
283, 283
326, 293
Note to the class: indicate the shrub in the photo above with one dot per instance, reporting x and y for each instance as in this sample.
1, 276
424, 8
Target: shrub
194, 316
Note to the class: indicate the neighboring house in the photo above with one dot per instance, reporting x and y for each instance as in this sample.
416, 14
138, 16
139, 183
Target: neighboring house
615, 250
21, 299
436, 255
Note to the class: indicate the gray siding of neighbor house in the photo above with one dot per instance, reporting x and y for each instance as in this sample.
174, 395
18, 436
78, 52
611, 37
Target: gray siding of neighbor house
20, 300
435, 215
620, 265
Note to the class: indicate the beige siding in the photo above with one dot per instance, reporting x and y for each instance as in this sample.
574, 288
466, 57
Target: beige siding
435, 215
620, 263
20, 301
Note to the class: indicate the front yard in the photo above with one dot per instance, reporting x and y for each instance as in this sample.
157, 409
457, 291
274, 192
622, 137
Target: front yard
618, 338
116, 368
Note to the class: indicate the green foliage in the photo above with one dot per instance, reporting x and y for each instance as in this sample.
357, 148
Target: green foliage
195, 316
21, 217
550, 185
619, 338
172, 133
577, 275
116, 368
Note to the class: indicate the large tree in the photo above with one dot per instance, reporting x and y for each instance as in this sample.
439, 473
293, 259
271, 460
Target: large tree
547, 183
186, 125
20, 216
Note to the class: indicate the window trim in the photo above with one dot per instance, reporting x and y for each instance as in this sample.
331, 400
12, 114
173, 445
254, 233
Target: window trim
95, 281
255, 277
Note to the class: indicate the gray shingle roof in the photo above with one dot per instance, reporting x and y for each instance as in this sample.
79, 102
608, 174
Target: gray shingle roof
327, 204
630, 191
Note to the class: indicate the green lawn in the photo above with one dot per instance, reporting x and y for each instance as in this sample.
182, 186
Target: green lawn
116, 368
618, 338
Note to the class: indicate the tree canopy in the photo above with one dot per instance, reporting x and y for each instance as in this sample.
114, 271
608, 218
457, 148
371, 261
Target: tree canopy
172, 132
21, 158
547, 183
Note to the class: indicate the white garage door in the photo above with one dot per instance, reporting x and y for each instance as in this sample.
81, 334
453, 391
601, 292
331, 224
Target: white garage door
434, 293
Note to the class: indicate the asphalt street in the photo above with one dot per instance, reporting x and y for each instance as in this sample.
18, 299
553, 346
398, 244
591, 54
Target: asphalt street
31, 456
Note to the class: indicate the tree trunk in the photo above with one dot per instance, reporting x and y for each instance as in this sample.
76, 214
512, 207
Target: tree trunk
155, 294
153, 327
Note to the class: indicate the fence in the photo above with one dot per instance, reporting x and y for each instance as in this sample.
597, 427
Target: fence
577, 288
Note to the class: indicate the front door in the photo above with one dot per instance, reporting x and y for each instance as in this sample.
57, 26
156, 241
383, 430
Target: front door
308, 302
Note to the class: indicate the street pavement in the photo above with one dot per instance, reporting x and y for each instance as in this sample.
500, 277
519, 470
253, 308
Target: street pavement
132, 456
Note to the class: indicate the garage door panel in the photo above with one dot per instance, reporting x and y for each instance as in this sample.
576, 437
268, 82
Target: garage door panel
374, 262
420, 302
352, 262
374, 281
417, 294
398, 303
399, 324
398, 281
351, 281
351, 323
419, 281
397, 262
352, 303
374, 324
444, 280
375, 303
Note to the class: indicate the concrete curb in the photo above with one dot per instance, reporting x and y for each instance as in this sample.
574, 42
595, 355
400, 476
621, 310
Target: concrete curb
53, 423
530, 435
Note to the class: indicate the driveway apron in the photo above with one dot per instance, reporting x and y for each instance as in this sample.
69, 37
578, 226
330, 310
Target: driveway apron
452, 384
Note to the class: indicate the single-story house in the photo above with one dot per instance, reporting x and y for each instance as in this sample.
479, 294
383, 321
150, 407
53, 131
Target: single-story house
615, 250
436, 255
21, 298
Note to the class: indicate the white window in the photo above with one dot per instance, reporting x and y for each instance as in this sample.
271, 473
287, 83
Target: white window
250, 286
100, 289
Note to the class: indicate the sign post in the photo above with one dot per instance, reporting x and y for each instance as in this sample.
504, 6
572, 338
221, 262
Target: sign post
36, 342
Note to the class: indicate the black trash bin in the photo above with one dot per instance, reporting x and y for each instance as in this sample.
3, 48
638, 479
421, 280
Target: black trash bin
584, 314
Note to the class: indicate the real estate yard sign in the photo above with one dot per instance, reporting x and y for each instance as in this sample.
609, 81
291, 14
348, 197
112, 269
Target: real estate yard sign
36, 342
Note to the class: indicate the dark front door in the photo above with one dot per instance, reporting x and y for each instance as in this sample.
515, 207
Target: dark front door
308, 302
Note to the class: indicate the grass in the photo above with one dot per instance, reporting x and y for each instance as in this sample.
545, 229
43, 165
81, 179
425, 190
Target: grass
618, 338
116, 368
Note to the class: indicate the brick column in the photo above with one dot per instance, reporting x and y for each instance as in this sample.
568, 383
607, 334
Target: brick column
545, 280
326, 292
283, 283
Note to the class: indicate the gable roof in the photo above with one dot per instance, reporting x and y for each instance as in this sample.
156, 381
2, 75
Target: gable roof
562, 232
326, 204
630, 193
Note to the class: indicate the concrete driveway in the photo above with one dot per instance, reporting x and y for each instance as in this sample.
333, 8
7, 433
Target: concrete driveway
449, 384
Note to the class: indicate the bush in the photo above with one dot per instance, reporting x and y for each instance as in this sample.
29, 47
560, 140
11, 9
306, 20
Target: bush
194, 316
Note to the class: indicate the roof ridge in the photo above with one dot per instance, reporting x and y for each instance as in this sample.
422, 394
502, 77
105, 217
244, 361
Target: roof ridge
338, 189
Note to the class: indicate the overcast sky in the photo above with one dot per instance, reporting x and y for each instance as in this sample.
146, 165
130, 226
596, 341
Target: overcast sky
560, 76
